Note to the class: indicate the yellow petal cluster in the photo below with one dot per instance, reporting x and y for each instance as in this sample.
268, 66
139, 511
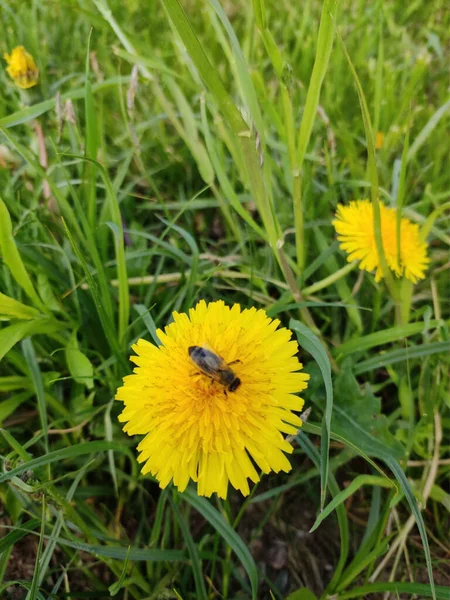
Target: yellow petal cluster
354, 225
22, 68
194, 428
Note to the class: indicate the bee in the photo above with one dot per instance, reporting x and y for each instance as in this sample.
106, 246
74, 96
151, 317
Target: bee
215, 367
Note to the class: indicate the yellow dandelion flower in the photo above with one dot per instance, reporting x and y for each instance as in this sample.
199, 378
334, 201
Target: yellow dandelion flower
22, 68
214, 399
379, 139
355, 229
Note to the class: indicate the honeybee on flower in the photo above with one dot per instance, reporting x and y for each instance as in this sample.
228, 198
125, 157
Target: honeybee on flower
213, 415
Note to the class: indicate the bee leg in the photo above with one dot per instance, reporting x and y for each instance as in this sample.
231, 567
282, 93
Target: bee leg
233, 362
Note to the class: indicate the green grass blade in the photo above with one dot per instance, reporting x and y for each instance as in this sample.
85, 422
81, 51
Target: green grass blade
91, 142
422, 590
120, 553
426, 131
12, 258
312, 344
373, 173
25, 115
323, 52
380, 338
357, 483
63, 454
229, 535
241, 69
401, 355
98, 299
32, 594
19, 532
409, 494
9, 336
200, 588
119, 245
341, 514
36, 377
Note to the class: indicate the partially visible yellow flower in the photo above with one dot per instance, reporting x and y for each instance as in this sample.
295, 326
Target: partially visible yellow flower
199, 428
22, 68
379, 139
354, 225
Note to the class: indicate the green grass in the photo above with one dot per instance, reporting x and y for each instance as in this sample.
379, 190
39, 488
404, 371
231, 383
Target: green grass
199, 150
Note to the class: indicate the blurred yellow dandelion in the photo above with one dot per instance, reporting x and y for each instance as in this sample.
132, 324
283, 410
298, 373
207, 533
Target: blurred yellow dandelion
355, 228
379, 139
214, 399
22, 68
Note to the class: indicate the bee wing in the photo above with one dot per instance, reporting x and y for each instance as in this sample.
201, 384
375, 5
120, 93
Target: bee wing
210, 363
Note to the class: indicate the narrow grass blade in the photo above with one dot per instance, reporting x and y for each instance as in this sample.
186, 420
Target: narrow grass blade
91, 141
19, 532
373, 173
32, 594
36, 377
358, 482
104, 317
64, 454
228, 534
312, 344
124, 299
115, 588
29, 113
380, 338
422, 590
243, 77
146, 316
120, 553
341, 514
410, 497
200, 588
426, 131
401, 355
323, 52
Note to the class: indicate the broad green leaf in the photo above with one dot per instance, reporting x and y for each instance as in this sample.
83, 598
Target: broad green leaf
14, 309
12, 257
9, 336
79, 365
